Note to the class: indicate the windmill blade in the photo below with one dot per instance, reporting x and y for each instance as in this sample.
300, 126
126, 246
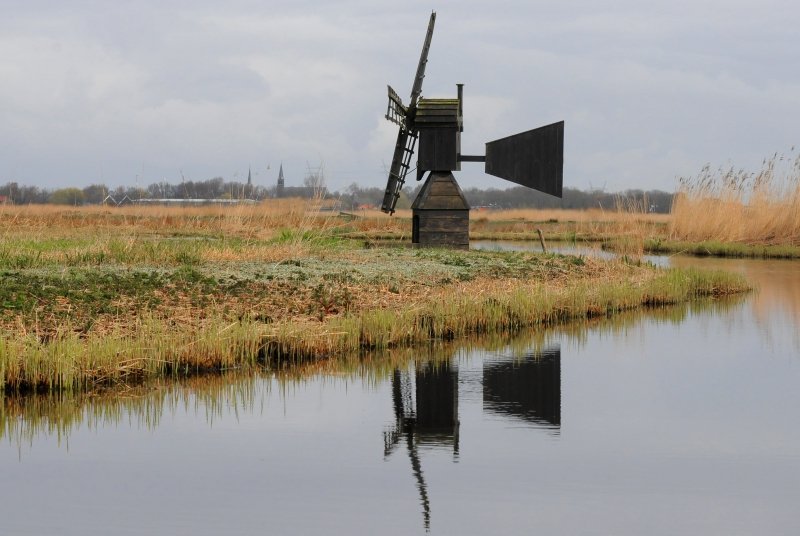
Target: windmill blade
407, 136
534, 158
396, 112
401, 162
416, 90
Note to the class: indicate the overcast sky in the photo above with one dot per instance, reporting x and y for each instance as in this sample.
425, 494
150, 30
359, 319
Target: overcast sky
98, 90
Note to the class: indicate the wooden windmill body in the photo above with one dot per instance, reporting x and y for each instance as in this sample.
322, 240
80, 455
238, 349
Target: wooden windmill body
440, 211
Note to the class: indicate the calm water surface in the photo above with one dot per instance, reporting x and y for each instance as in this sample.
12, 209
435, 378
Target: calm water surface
678, 421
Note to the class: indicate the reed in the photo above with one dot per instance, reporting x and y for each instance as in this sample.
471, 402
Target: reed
737, 206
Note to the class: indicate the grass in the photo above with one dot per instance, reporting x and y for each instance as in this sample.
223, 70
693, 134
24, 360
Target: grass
137, 234
266, 221
306, 320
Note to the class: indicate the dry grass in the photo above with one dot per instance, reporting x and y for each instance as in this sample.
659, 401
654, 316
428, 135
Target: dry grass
736, 206
629, 225
39, 235
271, 218
261, 221
589, 216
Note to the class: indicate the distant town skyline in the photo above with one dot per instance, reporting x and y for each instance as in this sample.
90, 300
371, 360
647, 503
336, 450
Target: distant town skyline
142, 91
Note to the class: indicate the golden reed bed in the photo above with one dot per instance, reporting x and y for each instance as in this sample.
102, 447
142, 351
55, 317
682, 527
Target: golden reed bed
737, 206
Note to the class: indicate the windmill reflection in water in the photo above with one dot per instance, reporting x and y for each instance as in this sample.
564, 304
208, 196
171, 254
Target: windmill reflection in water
526, 389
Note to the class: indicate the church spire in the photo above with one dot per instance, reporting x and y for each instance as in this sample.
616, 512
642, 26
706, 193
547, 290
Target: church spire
280, 182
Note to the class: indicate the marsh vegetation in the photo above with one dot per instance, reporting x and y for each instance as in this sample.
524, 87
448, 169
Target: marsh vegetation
96, 296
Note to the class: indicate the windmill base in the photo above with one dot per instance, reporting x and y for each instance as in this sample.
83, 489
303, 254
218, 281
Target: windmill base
440, 213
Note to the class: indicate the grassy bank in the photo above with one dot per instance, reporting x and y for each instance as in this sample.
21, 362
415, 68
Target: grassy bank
722, 249
80, 327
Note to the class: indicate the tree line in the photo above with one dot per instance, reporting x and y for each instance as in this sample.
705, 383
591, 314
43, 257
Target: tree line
521, 197
216, 188
351, 198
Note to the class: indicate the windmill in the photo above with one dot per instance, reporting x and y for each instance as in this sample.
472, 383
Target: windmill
534, 158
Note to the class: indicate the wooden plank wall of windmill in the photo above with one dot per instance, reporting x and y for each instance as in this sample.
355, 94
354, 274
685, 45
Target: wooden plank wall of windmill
438, 149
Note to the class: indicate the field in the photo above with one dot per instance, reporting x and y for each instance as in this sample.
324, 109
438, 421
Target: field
94, 296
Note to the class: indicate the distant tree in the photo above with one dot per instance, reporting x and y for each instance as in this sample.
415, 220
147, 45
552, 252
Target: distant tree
154, 190
95, 193
24, 195
315, 182
354, 195
403, 202
135, 194
67, 196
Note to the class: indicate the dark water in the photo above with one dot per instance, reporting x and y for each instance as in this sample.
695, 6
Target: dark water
678, 421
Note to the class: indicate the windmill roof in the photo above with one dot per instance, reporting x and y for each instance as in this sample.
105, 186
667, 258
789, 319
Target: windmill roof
437, 113
440, 192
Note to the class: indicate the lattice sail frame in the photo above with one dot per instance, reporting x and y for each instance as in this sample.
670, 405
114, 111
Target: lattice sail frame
396, 112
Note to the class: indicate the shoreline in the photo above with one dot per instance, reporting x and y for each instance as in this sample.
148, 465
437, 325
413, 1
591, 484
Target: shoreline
722, 249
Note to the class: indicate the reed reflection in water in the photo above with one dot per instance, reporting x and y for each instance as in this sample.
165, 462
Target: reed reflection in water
24, 418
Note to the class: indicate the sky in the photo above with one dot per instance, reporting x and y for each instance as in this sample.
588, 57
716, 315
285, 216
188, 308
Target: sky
120, 92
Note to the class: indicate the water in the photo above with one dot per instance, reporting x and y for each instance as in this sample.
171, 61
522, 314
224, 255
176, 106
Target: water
684, 420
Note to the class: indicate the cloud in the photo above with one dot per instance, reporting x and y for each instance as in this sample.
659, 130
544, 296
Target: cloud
648, 91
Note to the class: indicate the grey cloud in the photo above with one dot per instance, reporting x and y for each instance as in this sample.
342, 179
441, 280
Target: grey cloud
649, 90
